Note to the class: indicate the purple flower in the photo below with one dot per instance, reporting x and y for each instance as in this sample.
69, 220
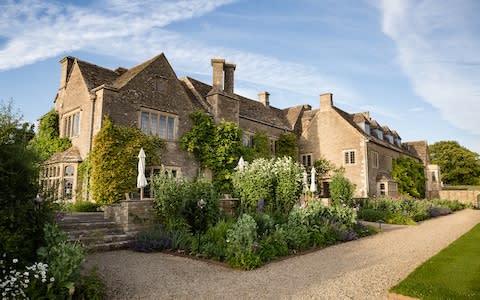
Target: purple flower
58, 217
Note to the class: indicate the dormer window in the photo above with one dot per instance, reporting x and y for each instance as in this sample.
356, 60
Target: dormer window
367, 129
389, 138
379, 133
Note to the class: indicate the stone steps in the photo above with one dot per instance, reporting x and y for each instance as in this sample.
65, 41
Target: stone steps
94, 232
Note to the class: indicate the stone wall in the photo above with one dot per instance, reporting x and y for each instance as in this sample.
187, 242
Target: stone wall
132, 215
463, 196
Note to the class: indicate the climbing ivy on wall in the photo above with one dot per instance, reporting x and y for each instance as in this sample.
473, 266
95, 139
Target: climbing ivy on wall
410, 176
48, 141
287, 145
216, 147
260, 147
114, 160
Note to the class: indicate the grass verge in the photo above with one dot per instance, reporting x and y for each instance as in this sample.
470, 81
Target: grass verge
454, 273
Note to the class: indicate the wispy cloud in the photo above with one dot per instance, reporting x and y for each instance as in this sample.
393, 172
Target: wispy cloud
36, 30
438, 51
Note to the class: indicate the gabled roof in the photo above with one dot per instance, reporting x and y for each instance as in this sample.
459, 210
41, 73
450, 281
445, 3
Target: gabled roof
249, 109
132, 72
71, 155
292, 114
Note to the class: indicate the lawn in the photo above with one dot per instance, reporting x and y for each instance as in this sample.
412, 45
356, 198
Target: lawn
454, 273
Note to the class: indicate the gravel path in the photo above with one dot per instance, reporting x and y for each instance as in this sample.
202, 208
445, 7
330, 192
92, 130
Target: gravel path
362, 269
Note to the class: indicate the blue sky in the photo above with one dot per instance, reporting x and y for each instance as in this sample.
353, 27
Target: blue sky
413, 64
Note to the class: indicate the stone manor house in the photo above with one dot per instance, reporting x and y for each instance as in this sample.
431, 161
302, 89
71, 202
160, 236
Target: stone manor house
151, 97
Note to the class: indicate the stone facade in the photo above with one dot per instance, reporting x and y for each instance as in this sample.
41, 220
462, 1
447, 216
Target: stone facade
151, 97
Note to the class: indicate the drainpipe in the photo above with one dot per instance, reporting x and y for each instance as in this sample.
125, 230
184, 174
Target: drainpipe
365, 158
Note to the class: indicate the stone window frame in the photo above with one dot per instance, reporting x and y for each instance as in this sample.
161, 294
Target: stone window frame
164, 134
169, 170
247, 139
307, 159
71, 123
351, 159
375, 159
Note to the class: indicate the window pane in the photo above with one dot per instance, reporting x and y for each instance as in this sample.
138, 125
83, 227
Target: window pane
76, 124
154, 124
346, 158
144, 122
163, 126
352, 157
171, 128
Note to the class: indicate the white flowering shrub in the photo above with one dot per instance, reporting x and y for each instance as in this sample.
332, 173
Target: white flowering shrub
277, 183
15, 284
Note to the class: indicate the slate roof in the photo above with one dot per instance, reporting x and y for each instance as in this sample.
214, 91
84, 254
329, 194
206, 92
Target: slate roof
249, 109
351, 118
94, 75
132, 72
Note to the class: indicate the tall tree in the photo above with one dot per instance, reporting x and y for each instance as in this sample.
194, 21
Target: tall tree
21, 217
459, 166
410, 176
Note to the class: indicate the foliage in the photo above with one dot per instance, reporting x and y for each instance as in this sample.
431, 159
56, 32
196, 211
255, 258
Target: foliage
410, 176
217, 147
273, 245
451, 274
287, 146
21, 217
341, 190
259, 149
91, 287
406, 211
176, 202
278, 182
214, 242
47, 141
241, 244
159, 237
458, 164
323, 167
63, 258
114, 160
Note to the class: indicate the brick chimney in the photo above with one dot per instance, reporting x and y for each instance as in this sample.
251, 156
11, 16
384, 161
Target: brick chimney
326, 101
66, 65
217, 64
263, 97
229, 77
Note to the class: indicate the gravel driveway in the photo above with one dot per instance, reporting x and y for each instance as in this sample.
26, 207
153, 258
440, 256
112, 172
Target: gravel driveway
362, 269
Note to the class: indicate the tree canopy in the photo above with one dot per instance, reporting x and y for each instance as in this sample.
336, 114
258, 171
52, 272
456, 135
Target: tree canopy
48, 141
410, 176
459, 166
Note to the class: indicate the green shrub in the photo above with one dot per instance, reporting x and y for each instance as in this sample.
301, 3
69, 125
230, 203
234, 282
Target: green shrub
85, 206
158, 238
341, 190
438, 211
454, 205
278, 182
214, 241
63, 259
265, 223
399, 219
371, 215
273, 245
91, 287
241, 244
176, 203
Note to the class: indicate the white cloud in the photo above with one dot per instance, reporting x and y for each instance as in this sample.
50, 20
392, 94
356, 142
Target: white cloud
37, 30
438, 51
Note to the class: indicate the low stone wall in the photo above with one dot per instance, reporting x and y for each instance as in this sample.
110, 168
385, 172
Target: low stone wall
463, 196
132, 215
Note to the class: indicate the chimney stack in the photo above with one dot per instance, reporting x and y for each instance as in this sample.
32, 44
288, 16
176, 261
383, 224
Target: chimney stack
229, 77
263, 97
326, 101
66, 65
218, 64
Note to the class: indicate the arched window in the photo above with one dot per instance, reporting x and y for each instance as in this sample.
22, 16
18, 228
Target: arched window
69, 171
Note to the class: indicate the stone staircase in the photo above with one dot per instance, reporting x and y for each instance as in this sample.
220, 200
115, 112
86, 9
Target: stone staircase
94, 232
